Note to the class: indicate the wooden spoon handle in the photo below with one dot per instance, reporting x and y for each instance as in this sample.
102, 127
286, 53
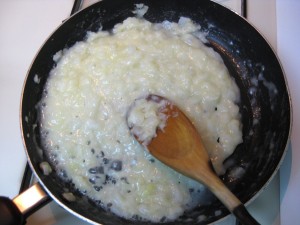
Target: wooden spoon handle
244, 216
232, 203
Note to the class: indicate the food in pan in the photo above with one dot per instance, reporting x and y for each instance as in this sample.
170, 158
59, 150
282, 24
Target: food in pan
86, 98
145, 116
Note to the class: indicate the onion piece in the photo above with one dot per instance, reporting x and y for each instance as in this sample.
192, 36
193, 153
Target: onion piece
46, 168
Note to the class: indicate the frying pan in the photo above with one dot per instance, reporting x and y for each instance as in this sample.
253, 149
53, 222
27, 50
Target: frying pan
265, 105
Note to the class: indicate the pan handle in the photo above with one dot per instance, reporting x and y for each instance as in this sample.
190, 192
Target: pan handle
15, 212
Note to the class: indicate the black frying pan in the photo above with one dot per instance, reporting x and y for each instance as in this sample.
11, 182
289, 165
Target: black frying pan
265, 102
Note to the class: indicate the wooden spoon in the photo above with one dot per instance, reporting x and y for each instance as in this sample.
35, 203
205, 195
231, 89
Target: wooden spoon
179, 146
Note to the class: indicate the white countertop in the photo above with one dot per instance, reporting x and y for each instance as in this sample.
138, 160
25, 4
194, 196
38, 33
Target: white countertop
25, 24
288, 28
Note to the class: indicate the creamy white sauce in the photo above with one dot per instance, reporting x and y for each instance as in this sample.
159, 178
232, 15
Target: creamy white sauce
87, 96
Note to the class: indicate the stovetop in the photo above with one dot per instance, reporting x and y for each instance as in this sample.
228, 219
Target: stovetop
24, 25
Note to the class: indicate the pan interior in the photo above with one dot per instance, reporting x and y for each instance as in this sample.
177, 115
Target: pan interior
265, 104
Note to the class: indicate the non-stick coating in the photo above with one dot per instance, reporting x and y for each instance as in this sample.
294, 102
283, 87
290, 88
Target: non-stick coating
265, 102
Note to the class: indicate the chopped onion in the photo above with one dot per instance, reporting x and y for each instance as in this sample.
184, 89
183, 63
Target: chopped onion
46, 168
69, 196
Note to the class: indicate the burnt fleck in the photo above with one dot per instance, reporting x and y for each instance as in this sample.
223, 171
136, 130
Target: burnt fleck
93, 151
116, 165
109, 204
98, 202
93, 180
128, 191
163, 219
98, 188
102, 154
105, 160
216, 108
97, 170
152, 160
109, 179
218, 140
125, 180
